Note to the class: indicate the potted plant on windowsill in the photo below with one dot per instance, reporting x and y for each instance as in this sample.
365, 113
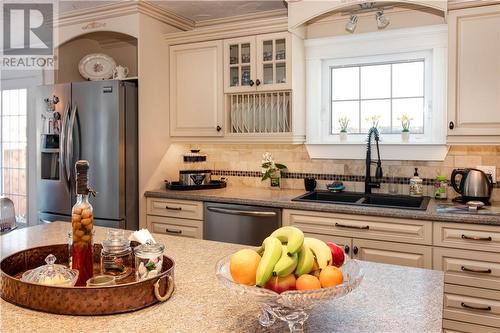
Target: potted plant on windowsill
343, 122
271, 170
405, 124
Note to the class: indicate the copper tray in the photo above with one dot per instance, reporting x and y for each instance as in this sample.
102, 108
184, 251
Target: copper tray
127, 296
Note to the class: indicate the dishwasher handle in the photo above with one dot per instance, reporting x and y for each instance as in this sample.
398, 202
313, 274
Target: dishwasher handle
241, 212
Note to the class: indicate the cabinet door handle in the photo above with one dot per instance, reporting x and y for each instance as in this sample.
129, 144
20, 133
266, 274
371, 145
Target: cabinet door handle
173, 208
257, 82
355, 250
251, 83
364, 227
486, 308
218, 128
472, 270
486, 239
346, 249
174, 231
451, 125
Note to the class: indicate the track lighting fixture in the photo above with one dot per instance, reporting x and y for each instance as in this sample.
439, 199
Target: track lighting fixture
351, 24
382, 20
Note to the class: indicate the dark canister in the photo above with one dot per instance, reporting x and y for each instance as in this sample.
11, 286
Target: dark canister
310, 184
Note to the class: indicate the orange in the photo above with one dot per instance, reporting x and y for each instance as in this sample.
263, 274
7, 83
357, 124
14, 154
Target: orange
243, 266
307, 282
330, 276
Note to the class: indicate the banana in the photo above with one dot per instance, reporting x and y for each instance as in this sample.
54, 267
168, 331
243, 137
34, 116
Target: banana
321, 251
306, 261
271, 255
287, 263
292, 236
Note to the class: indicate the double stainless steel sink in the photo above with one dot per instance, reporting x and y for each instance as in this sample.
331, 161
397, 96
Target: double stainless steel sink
367, 200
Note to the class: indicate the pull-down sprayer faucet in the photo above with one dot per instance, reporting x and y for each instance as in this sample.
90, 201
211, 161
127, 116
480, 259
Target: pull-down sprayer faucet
378, 172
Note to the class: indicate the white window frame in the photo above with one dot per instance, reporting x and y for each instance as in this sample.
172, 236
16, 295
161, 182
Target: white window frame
429, 43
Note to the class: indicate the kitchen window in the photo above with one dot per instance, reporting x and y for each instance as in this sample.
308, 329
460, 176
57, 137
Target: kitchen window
378, 91
378, 77
13, 149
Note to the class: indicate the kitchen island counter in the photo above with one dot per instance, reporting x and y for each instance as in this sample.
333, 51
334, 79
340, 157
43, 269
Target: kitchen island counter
282, 198
390, 298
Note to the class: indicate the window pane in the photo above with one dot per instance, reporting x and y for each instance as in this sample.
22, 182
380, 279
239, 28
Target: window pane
345, 109
414, 108
408, 79
345, 83
376, 81
380, 109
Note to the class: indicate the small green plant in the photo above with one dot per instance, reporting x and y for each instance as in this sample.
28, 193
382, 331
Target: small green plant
405, 122
374, 119
344, 122
270, 169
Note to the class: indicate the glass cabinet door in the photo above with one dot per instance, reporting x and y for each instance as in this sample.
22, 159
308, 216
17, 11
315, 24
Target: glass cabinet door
273, 61
239, 61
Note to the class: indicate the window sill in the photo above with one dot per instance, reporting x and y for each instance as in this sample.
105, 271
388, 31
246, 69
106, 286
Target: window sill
396, 151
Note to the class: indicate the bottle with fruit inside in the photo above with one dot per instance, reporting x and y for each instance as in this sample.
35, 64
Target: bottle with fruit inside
82, 221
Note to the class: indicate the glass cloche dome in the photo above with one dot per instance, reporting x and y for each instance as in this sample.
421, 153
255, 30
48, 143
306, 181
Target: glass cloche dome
7, 214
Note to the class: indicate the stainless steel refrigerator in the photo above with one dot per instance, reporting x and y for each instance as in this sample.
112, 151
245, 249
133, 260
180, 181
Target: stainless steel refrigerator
94, 121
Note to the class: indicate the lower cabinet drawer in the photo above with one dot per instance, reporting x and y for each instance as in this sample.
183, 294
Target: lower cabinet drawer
451, 326
467, 236
469, 268
343, 242
393, 253
472, 305
175, 208
175, 226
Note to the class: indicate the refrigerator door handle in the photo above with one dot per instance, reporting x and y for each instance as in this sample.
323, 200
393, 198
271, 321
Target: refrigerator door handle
63, 145
69, 142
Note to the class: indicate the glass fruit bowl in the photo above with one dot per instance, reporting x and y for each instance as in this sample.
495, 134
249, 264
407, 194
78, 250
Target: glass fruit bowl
291, 306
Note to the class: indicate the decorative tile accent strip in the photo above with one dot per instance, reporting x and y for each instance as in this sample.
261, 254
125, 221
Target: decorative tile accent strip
323, 176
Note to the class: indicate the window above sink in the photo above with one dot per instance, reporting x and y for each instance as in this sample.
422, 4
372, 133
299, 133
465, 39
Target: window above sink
377, 78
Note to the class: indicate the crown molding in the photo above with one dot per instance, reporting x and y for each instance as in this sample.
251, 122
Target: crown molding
276, 13
461, 4
102, 12
233, 29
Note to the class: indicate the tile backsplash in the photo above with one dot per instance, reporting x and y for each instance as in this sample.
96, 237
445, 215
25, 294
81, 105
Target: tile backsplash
240, 163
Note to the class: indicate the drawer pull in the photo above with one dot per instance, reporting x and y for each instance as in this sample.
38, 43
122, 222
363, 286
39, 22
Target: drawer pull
364, 227
173, 208
174, 231
487, 239
485, 271
486, 308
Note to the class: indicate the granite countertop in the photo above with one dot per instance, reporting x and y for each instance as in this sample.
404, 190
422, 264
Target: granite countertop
390, 298
282, 198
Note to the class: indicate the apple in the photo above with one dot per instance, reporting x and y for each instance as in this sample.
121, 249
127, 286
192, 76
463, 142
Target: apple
338, 255
281, 284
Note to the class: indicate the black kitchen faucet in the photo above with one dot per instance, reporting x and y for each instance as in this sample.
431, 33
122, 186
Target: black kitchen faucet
369, 184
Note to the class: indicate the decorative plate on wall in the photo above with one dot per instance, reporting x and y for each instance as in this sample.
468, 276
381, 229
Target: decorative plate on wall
97, 66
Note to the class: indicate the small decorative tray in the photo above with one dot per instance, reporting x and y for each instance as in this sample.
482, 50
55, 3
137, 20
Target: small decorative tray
178, 186
128, 295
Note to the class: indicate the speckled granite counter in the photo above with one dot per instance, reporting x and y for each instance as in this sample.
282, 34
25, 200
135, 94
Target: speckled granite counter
283, 199
390, 299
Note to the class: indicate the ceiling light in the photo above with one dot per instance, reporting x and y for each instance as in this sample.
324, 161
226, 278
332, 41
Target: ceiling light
382, 20
351, 25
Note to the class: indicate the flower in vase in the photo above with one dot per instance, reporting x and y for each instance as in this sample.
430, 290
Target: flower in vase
344, 123
405, 122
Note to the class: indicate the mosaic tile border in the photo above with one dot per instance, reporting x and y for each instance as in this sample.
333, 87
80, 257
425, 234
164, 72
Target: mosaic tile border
323, 176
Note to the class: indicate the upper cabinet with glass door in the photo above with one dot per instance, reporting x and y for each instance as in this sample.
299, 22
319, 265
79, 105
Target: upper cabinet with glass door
257, 63
273, 62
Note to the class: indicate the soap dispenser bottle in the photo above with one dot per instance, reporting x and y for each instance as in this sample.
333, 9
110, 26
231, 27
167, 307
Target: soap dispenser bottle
416, 185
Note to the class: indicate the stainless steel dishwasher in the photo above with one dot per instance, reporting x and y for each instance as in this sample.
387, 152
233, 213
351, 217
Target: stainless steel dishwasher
241, 224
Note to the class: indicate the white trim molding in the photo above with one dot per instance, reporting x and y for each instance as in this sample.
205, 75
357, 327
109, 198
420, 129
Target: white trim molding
429, 43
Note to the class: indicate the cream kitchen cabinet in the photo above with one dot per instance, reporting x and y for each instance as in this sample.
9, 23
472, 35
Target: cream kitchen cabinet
196, 89
257, 63
175, 217
474, 75
377, 239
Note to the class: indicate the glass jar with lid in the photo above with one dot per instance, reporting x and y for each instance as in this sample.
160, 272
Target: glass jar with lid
116, 255
148, 260
51, 274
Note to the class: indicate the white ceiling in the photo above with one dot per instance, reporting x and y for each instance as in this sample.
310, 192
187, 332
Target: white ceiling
195, 10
